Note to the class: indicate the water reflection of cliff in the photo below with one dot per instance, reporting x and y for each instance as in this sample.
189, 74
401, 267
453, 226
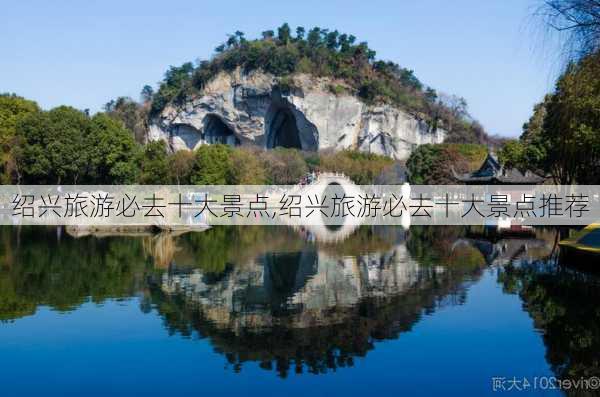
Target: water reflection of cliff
297, 303
291, 302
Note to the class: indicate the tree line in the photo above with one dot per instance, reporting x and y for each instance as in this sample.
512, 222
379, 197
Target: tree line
68, 146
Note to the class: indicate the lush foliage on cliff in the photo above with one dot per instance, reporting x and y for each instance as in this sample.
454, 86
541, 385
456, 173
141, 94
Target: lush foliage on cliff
321, 52
133, 115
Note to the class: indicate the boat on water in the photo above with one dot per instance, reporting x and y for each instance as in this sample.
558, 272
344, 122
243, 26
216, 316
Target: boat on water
584, 243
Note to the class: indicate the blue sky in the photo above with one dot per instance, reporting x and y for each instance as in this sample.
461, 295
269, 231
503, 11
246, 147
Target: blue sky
84, 53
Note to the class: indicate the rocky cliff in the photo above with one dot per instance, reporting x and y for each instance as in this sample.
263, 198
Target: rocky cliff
302, 112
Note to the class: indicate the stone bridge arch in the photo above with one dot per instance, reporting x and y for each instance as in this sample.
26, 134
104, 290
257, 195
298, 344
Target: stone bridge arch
327, 228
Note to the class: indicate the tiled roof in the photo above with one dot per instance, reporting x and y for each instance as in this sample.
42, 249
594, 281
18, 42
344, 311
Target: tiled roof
492, 172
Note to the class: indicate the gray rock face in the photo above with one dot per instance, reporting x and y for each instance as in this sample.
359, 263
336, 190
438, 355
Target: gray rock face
318, 284
237, 108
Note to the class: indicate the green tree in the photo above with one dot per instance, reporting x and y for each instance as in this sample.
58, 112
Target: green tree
512, 154
146, 94
535, 146
571, 130
284, 33
268, 34
112, 152
314, 37
212, 165
13, 109
132, 114
154, 164
247, 168
331, 40
181, 166
52, 147
176, 81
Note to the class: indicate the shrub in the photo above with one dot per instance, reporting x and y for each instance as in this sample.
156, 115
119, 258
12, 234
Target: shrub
285, 166
212, 166
181, 164
362, 168
247, 168
433, 164
154, 164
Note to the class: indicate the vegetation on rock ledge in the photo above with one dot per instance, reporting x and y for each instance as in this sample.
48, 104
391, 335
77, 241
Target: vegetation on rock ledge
324, 53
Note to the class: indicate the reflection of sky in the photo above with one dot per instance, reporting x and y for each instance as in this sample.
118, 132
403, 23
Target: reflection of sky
115, 349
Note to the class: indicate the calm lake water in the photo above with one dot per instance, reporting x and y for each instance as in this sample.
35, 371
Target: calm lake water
277, 311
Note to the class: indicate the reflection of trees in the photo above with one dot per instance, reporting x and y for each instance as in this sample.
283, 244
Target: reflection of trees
39, 267
317, 349
434, 245
365, 239
251, 322
216, 248
564, 305
461, 246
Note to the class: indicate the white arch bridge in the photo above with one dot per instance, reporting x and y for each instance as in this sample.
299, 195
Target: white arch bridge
327, 223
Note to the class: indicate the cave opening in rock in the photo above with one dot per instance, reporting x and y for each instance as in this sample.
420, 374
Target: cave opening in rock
285, 274
284, 131
216, 131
